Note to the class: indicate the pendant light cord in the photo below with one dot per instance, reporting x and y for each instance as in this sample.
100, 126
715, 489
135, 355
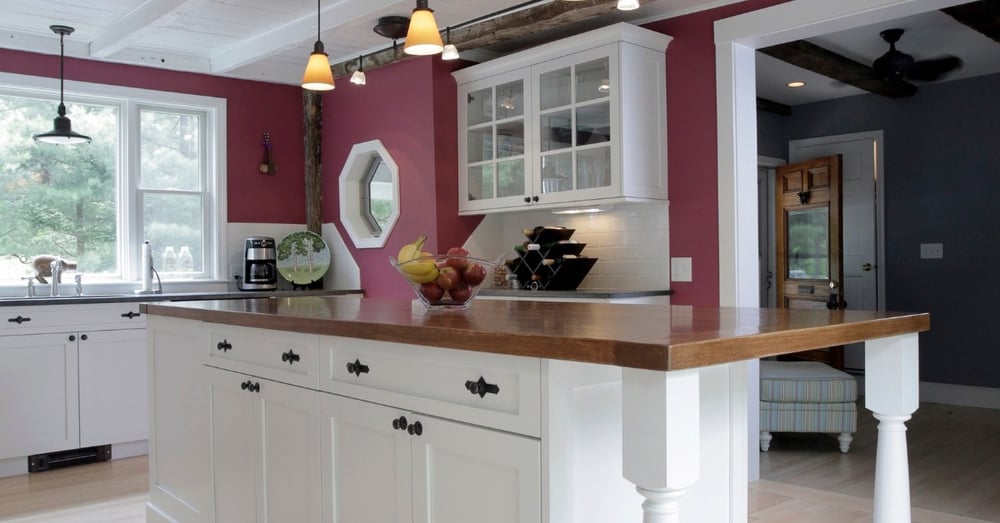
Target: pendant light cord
62, 75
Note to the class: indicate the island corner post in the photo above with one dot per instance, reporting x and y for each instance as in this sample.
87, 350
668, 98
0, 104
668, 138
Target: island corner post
662, 424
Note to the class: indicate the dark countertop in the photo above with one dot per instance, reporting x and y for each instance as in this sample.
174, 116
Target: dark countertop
169, 296
591, 294
656, 337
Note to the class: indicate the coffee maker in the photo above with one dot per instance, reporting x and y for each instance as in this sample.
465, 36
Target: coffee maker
260, 268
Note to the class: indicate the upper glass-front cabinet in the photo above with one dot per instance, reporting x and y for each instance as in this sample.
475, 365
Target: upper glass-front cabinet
581, 121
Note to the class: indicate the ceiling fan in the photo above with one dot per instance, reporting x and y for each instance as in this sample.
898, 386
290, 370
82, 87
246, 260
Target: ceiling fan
896, 65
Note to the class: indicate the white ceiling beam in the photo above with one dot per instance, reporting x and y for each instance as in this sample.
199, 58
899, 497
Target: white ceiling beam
128, 30
340, 13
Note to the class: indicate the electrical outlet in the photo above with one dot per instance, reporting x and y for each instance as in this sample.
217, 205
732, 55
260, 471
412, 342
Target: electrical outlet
931, 251
680, 269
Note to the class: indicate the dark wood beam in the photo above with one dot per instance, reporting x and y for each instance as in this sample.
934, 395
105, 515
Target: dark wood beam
312, 114
982, 16
832, 65
763, 104
520, 29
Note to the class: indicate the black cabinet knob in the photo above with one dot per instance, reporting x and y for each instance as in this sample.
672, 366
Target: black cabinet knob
399, 423
72, 337
527, 199
255, 387
250, 386
245, 385
481, 388
83, 337
224, 346
415, 430
534, 198
357, 368
290, 357
18, 320
131, 315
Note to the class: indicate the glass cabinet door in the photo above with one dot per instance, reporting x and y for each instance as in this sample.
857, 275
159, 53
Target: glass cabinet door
495, 142
574, 138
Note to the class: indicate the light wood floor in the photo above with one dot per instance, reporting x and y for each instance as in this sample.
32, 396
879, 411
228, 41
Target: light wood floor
954, 470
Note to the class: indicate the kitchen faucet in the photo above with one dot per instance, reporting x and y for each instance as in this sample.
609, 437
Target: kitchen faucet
57, 269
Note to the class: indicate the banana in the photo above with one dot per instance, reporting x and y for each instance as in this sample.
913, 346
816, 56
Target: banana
409, 262
411, 250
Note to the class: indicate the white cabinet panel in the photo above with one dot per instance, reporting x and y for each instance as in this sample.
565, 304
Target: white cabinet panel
114, 397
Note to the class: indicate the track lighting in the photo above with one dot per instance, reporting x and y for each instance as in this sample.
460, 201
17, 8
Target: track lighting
450, 52
358, 78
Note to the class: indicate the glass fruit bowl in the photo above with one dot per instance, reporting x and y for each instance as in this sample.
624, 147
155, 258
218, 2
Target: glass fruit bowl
446, 282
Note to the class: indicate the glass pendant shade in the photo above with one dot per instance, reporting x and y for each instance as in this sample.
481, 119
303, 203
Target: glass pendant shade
358, 78
423, 37
628, 5
62, 129
450, 52
318, 75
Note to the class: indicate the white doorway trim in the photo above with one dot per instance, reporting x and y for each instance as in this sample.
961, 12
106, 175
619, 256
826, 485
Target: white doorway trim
736, 40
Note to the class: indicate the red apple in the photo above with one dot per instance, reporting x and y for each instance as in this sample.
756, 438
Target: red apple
448, 278
461, 293
432, 291
475, 274
458, 263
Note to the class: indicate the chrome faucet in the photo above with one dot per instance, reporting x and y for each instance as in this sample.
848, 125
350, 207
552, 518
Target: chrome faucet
57, 269
79, 284
30, 293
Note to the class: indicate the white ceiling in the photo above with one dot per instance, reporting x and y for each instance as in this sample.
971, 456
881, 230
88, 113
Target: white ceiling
266, 40
928, 35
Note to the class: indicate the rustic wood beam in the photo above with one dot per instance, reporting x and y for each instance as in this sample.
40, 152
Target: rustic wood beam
763, 104
533, 25
312, 113
814, 58
982, 16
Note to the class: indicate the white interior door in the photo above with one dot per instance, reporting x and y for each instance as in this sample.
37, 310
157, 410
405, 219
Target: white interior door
863, 252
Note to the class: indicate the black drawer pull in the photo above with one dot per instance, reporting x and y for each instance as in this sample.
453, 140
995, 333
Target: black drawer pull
399, 423
290, 357
355, 367
131, 315
250, 386
415, 430
224, 346
18, 320
481, 388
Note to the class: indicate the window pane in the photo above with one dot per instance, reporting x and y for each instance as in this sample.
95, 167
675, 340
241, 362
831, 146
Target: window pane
593, 168
510, 100
808, 244
170, 156
55, 199
510, 178
592, 80
480, 182
555, 89
173, 222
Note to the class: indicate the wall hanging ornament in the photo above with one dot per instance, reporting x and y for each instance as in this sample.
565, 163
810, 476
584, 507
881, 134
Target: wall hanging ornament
267, 164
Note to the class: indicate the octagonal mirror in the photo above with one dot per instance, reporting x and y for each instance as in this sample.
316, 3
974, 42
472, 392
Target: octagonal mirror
369, 194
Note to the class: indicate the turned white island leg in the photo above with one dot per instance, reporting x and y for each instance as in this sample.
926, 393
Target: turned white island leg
892, 394
660, 439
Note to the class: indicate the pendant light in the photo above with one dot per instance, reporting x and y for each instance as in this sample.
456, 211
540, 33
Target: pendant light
628, 5
358, 78
423, 37
62, 130
318, 75
450, 52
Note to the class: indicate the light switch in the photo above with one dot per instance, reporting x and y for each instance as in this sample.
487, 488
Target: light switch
931, 251
680, 269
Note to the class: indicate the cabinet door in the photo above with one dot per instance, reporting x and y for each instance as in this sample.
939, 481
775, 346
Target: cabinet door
366, 462
290, 454
38, 394
114, 387
235, 440
468, 473
494, 137
578, 126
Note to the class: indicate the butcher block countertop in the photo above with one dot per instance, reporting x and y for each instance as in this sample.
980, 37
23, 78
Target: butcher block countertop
655, 337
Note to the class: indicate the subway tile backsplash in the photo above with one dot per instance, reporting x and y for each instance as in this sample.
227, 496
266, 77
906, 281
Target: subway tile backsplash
632, 243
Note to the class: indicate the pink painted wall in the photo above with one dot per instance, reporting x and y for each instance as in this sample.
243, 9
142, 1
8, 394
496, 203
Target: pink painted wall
252, 109
410, 106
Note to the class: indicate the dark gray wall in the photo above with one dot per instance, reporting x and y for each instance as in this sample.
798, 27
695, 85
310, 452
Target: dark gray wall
771, 135
942, 185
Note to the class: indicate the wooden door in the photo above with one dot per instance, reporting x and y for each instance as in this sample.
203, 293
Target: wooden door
809, 241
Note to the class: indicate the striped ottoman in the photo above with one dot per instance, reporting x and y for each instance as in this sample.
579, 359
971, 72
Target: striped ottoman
806, 396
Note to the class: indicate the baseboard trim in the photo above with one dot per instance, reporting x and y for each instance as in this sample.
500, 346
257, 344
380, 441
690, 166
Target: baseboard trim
951, 394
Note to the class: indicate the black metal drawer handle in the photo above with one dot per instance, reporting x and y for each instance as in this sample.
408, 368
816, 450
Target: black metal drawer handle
290, 357
18, 320
224, 346
481, 388
250, 386
131, 315
355, 367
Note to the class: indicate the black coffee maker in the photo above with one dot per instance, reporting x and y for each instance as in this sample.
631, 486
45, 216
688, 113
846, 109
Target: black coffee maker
260, 268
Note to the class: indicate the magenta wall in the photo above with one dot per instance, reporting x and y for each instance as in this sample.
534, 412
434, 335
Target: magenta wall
410, 106
252, 109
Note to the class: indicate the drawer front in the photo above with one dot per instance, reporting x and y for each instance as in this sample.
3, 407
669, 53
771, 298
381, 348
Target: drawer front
485, 389
287, 357
83, 317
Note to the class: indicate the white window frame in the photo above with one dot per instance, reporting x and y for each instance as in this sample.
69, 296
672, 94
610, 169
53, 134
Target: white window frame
129, 101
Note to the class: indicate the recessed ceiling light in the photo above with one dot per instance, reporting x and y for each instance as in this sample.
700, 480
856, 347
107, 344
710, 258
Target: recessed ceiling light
797, 83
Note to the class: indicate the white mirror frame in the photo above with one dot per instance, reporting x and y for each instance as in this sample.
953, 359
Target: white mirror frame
351, 176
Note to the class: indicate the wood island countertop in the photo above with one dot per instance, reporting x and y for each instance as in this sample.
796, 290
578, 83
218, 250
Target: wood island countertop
655, 337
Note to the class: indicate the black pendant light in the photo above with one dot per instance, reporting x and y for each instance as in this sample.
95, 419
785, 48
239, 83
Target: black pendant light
62, 131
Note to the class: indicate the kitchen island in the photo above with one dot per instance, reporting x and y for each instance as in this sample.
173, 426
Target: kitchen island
676, 429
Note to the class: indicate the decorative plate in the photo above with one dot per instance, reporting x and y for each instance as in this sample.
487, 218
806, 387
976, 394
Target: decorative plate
303, 257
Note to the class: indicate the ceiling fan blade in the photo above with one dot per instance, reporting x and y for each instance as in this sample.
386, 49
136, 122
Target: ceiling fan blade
930, 70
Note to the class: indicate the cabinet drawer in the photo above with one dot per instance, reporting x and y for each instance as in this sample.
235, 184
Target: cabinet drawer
34, 319
485, 389
288, 357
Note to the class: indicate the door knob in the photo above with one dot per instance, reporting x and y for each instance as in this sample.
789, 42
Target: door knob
866, 267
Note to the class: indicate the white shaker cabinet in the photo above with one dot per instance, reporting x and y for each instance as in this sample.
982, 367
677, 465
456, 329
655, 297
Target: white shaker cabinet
577, 122
114, 388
